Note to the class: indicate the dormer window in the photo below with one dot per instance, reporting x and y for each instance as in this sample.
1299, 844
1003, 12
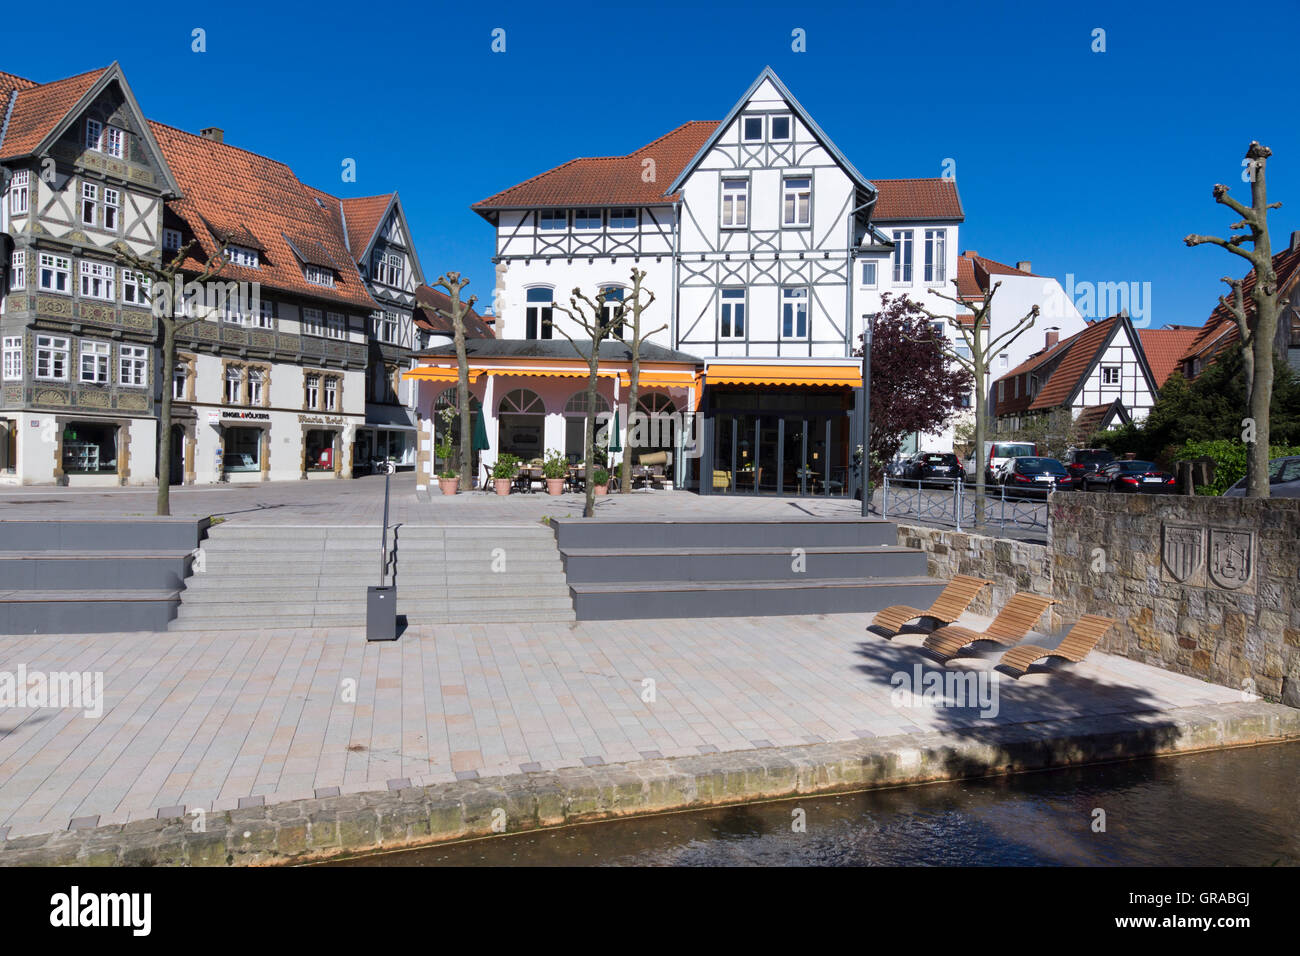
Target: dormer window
171, 239
243, 256
318, 275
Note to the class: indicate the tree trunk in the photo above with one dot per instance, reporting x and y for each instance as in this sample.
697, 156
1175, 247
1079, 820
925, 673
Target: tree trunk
165, 419
981, 402
633, 386
1261, 397
589, 509
462, 403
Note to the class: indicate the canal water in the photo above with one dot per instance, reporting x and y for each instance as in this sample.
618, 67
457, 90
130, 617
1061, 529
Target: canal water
1229, 807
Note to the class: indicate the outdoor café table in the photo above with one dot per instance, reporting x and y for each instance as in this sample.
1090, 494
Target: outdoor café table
524, 479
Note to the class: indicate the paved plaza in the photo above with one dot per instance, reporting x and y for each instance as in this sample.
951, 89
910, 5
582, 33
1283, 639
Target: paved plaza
212, 719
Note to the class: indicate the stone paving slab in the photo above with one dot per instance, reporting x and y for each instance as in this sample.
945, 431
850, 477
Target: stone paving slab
214, 720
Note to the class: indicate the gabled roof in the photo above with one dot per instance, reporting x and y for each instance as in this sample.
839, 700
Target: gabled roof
606, 180
10, 84
362, 218
1096, 417
1220, 329
231, 189
1067, 365
432, 308
1165, 348
904, 199
37, 109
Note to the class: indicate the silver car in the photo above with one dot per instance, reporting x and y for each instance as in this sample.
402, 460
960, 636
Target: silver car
1283, 480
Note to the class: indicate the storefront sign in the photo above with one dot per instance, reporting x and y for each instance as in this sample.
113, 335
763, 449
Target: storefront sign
320, 420
214, 417
232, 415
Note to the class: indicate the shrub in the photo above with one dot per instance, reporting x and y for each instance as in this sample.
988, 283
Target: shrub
555, 466
505, 467
600, 477
1229, 460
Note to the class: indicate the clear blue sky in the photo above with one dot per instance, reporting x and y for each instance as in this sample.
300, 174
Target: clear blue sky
1096, 164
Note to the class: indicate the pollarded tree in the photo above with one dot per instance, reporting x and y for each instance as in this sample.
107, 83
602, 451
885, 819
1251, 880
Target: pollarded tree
632, 309
452, 284
168, 304
1257, 326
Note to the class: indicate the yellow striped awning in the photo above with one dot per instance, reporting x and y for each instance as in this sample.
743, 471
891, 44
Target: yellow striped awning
430, 373
823, 375
666, 379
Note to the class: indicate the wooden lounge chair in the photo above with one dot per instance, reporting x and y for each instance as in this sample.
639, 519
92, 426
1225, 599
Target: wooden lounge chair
1075, 646
947, 607
1010, 626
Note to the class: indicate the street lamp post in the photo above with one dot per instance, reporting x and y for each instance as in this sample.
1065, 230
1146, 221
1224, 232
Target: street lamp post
865, 420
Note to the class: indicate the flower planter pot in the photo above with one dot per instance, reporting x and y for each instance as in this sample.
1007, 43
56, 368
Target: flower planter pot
449, 486
600, 489
554, 486
502, 485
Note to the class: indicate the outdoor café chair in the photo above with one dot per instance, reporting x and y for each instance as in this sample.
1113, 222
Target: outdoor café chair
1010, 626
947, 607
1074, 647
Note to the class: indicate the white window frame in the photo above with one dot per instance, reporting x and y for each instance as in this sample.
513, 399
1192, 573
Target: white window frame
112, 209
99, 354
330, 393
13, 358
133, 366
52, 353
790, 299
874, 280
936, 255
89, 204
727, 302
792, 194
242, 256
234, 376
256, 383
541, 313
771, 128
318, 275
311, 382
390, 268
1004, 360
18, 270
735, 203
94, 134
903, 239
57, 266
552, 220
98, 281
265, 318
745, 120
19, 198
182, 380
135, 288
313, 321
336, 325
113, 141
1109, 372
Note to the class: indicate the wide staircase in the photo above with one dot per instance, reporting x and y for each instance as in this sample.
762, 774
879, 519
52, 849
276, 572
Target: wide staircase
738, 567
88, 576
254, 577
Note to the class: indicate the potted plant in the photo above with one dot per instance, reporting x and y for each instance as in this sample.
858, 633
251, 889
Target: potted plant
600, 481
503, 472
553, 470
449, 477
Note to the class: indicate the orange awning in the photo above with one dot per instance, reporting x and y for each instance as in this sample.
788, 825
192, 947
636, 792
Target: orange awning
430, 373
666, 379
558, 373
823, 375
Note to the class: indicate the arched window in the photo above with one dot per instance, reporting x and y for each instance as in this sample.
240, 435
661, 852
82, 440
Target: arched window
521, 401
656, 403
577, 404
447, 399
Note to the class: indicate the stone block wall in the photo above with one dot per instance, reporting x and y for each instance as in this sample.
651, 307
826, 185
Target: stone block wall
1204, 586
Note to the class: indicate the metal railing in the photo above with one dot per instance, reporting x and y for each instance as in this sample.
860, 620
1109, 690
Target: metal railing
950, 501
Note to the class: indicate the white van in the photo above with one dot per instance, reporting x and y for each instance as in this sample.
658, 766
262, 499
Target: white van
997, 454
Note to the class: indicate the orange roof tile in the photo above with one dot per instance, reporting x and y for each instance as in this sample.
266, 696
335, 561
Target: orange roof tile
431, 310
1079, 357
916, 199
37, 109
230, 189
1220, 329
1164, 349
362, 216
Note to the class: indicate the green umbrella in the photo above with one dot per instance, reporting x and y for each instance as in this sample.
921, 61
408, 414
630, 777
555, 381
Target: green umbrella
480, 431
615, 444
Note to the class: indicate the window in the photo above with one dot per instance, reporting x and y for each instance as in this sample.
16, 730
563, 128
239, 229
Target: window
1110, 375
735, 203
312, 393
55, 273
624, 218
537, 317
780, 129
18, 187
752, 129
336, 326
112, 204
313, 322
869, 274
318, 275
94, 129
794, 313
587, 219
132, 365
114, 139
962, 351
553, 220
1004, 360
234, 384
97, 279
13, 358
903, 256
18, 270
180, 377
171, 239
390, 268
936, 256
89, 200
255, 379
52, 358
613, 304
731, 320
331, 394
796, 201
265, 314
1001, 391
242, 256
1015, 387
386, 325
94, 362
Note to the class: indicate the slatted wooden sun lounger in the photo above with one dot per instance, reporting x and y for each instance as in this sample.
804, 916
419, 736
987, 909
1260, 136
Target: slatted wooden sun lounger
1010, 626
947, 607
1075, 646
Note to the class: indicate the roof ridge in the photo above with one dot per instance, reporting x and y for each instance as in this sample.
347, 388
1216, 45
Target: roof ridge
21, 79
238, 149
676, 129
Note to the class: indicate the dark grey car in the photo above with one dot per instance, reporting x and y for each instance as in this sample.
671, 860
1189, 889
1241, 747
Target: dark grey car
1283, 480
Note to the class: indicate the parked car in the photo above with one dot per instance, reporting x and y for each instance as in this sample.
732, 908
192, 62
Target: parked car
1131, 475
932, 466
1086, 461
1283, 479
997, 454
894, 469
1029, 475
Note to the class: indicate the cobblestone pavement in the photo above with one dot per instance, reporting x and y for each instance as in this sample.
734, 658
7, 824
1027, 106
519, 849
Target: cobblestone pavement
212, 719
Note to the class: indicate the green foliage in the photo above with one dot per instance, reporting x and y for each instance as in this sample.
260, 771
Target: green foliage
1052, 432
600, 477
554, 466
506, 467
1229, 460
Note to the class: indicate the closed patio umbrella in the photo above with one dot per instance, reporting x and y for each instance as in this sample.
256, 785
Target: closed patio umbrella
615, 442
480, 432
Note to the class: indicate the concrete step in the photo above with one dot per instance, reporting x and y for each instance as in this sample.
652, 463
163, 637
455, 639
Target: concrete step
232, 582
298, 607
357, 619
591, 565
105, 570
571, 533
304, 592
112, 534
85, 611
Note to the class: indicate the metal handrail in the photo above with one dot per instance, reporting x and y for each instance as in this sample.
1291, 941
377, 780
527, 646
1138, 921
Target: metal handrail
383, 540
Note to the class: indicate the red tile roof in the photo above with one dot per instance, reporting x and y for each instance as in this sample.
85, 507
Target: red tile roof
608, 180
228, 189
9, 84
1220, 329
432, 306
968, 286
362, 216
1073, 357
37, 109
1165, 348
916, 199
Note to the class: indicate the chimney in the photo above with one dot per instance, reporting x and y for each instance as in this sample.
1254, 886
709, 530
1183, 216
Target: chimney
970, 254
214, 133
1024, 265
1295, 241
1053, 336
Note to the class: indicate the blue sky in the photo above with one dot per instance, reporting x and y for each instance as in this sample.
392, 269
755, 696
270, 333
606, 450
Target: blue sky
1095, 164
